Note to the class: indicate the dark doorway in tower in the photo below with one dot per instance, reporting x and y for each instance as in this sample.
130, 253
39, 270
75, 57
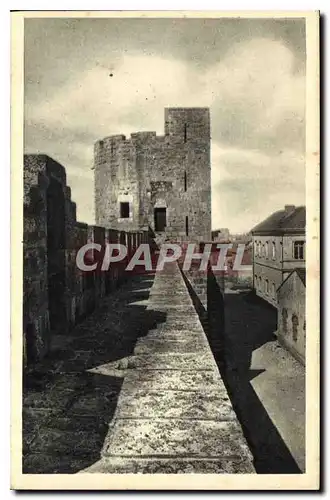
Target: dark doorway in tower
160, 219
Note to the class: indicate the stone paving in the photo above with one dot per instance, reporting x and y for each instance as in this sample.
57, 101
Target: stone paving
136, 390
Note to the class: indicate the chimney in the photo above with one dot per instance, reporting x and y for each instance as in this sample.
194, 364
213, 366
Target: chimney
289, 209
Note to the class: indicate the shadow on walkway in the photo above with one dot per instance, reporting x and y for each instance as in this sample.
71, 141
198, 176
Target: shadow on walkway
236, 325
70, 398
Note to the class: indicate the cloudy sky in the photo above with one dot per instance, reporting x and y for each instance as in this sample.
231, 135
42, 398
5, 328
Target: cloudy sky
250, 72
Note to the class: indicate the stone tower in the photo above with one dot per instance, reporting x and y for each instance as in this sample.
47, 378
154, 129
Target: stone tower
160, 182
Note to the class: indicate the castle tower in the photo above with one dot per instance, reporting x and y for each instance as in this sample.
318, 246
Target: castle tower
163, 182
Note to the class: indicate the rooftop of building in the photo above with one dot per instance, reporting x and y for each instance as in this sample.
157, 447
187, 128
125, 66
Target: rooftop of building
290, 219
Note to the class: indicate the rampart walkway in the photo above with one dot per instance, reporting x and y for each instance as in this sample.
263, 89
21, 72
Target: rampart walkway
137, 390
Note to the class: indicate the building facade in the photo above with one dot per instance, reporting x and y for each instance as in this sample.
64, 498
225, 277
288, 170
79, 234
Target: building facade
160, 183
278, 248
291, 322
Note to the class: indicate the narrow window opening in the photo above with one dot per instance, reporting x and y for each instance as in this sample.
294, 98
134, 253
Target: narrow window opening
185, 181
124, 210
273, 290
185, 132
187, 226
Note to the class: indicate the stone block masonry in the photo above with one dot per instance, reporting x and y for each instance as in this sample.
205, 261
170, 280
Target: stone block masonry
159, 182
57, 294
133, 387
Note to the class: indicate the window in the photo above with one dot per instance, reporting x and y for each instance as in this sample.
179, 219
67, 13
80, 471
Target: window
295, 324
255, 248
256, 280
185, 181
285, 320
266, 249
160, 219
123, 168
266, 286
187, 226
124, 210
273, 250
273, 290
299, 250
185, 132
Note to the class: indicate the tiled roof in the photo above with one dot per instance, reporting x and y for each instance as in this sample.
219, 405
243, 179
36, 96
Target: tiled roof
283, 221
